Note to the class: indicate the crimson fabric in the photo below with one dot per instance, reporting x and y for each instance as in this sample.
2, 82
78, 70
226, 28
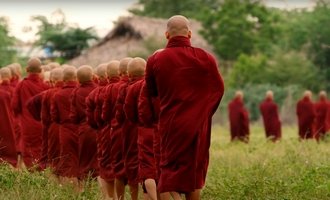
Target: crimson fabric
51, 138
7, 141
306, 118
87, 146
328, 118
68, 165
14, 81
116, 141
31, 130
190, 88
321, 110
239, 121
272, 123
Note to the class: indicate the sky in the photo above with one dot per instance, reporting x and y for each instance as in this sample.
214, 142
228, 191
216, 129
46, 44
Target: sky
99, 14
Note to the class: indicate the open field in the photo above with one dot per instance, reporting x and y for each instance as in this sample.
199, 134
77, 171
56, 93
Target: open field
259, 170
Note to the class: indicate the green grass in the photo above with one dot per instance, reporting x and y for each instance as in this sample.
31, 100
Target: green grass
260, 170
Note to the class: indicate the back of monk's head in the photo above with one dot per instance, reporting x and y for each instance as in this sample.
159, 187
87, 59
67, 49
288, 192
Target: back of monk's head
56, 74
34, 65
69, 73
136, 67
5, 73
323, 94
101, 71
178, 25
269, 94
45, 68
16, 70
123, 66
308, 94
85, 73
113, 68
239, 94
53, 65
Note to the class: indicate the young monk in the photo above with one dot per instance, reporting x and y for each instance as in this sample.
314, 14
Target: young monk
30, 128
51, 147
269, 112
190, 88
306, 116
321, 110
139, 157
16, 72
108, 115
86, 135
239, 119
8, 151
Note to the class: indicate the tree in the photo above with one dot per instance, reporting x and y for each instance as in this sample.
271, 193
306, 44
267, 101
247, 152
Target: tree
7, 52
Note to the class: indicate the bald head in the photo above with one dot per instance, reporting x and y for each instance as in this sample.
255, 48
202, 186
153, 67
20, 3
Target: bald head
269, 94
323, 94
69, 73
113, 68
34, 65
136, 67
308, 94
123, 65
53, 65
56, 74
178, 25
239, 94
5, 73
101, 71
16, 70
85, 73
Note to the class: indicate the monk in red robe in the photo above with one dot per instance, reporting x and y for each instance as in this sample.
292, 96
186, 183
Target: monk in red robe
30, 128
239, 119
321, 110
190, 88
110, 108
8, 152
269, 112
68, 134
87, 146
16, 72
306, 116
51, 147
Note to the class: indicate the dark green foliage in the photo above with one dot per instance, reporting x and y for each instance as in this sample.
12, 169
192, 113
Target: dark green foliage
7, 52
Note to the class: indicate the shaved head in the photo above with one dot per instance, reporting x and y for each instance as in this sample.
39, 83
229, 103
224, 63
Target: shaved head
101, 71
113, 68
53, 65
85, 73
34, 65
16, 69
269, 94
5, 73
323, 94
56, 74
69, 73
178, 25
308, 94
239, 94
45, 68
136, 67
123, 65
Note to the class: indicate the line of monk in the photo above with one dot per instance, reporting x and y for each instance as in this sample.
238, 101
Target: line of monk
313, 118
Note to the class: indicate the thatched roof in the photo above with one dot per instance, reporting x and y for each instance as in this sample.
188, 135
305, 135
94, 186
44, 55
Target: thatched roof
134, 36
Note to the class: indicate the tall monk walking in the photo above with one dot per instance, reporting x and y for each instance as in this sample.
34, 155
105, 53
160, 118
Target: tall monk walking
271, 119
306, 116
321, 111
190, 88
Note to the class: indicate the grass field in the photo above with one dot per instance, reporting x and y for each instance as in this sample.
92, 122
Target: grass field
259, 170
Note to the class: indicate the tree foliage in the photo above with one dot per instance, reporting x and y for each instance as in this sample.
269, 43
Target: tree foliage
7, 52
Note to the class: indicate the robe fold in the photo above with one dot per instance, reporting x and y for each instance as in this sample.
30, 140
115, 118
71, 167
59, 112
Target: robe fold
87, 146
321, 110
109, 110
190, 88
239, 121
68, 165
271, 119
31, 129
306, 118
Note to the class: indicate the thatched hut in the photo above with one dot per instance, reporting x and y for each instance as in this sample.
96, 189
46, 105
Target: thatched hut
134, 36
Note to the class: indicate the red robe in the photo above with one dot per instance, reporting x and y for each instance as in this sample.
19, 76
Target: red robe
31, 129
68, 134
272, 123
328, 118
306, 118
190, 88
87, 146
51, 139
321, 110
7, 141
239, 121
116, 141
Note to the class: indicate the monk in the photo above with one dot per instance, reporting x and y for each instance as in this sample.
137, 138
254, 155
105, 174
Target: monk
269, 112
110, 108
68, 134
31, 129
321, 110
51, 147
107, 177
190, 88
87, 147
6, 77
239, 119
16, 72
306, 116
8, 152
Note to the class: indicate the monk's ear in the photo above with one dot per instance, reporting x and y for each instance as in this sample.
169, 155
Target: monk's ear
167, 35
189, 34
